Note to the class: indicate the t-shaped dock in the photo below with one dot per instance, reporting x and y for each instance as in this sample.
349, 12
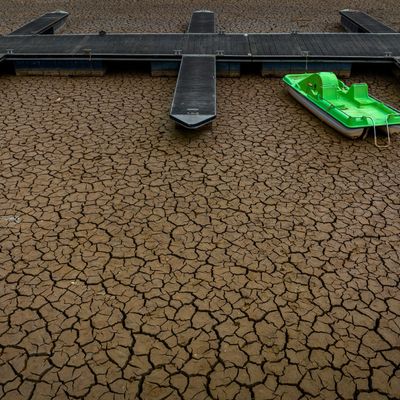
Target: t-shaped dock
198, 54
194, 102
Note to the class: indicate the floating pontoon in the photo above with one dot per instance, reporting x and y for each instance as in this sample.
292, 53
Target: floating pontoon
197, 56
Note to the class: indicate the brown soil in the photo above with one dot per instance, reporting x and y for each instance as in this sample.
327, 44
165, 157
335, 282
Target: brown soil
256, 259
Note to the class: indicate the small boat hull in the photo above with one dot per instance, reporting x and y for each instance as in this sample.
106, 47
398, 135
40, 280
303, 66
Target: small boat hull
351, 133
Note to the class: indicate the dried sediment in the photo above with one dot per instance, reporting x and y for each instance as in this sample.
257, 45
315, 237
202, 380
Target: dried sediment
257, 258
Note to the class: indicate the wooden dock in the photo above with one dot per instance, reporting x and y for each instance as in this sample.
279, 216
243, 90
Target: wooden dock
360, 22
44, 25
198, 53
354, 47
194, 101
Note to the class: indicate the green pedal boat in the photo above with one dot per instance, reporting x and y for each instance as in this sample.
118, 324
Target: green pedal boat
349, 110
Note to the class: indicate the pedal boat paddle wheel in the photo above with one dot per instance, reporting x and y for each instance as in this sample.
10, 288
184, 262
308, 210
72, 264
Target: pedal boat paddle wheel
349, 110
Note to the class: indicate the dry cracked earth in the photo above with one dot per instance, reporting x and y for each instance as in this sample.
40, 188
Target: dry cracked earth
255, 259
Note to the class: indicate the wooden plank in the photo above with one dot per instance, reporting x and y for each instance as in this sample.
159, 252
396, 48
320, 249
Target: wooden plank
194, 101
46, 24
360, 22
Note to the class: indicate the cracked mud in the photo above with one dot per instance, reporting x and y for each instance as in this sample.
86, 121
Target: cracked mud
256, 259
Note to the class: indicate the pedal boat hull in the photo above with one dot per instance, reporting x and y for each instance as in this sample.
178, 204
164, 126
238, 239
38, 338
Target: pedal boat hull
351, 133
326, 97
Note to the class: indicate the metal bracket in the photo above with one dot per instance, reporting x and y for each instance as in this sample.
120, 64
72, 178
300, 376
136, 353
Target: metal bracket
88, 52
305, 53
193, 111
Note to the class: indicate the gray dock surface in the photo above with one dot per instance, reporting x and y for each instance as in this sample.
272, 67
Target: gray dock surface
198, 50
46, 24
202, 22
194, 101
228, 47
358, 21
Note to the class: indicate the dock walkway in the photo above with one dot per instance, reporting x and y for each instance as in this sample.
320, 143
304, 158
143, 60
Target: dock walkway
360, 22
44, 25
34, 49
194, 101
